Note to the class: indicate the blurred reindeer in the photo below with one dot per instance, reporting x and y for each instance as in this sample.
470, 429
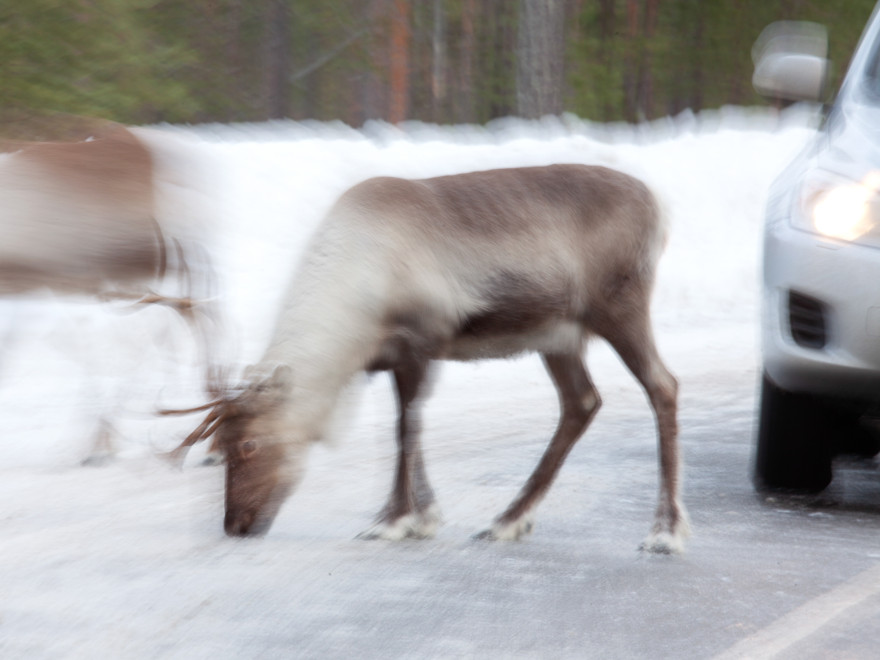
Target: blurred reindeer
80, 218
467, 267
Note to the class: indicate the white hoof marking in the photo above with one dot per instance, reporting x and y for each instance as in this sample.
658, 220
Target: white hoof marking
668, 539
513, 531
663, 543
421, 525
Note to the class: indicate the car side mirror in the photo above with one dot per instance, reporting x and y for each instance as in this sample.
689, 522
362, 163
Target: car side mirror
791, 61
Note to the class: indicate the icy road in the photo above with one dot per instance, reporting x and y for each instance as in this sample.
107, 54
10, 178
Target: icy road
129, 560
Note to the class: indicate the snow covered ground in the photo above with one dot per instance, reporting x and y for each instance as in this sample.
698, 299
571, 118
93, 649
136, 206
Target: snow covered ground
129, 560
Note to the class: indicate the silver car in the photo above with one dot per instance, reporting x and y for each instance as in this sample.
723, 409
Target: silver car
821, 282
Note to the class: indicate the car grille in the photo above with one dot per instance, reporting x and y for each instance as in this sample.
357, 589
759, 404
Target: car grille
806, 319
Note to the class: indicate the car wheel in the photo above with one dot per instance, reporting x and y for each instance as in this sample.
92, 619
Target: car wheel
795, 433
864, 441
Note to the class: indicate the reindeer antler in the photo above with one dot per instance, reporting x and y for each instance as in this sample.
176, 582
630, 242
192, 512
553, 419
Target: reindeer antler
187, 411
203, 431
220, 411
221, 408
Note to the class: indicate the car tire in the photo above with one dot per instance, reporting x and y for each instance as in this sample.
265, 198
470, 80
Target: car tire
794, 442
864, 441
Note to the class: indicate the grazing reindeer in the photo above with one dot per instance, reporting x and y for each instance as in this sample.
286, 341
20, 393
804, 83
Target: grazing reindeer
472, 266
80, 218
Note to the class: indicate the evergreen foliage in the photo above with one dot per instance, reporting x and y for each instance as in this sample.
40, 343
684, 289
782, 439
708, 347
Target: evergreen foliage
145, 61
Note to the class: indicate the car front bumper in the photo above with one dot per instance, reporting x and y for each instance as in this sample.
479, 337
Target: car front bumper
841, 284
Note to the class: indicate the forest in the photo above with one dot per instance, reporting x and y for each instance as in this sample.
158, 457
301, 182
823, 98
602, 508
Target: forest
440, 61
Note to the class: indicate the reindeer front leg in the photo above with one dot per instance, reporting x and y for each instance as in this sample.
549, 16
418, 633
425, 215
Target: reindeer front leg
411, 511
579, 402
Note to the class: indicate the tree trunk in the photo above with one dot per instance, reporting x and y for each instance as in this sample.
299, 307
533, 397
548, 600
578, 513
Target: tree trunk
234, 84
606, 54
372, 88
438, 62
465, 110
696, 100
277, 59
399, 65
630, 64
645, 89
540, 56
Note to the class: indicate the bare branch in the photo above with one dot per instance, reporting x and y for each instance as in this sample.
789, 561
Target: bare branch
327, 57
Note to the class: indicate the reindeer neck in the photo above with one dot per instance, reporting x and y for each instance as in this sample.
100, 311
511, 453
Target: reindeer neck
326, 337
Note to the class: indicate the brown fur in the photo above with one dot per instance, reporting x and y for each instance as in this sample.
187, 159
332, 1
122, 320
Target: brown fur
80, 218
82, 215
471, 266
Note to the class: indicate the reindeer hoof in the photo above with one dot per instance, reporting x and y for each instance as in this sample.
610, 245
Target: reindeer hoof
667, 539
662, 544
512, 531
421, 525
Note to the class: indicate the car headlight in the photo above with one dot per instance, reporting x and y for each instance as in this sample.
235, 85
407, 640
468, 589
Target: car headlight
842, 209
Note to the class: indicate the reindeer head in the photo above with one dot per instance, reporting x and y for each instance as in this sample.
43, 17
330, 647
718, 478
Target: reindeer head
261, 469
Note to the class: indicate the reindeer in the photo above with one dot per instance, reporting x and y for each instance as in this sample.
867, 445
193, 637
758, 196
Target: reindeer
466, 267
80, 218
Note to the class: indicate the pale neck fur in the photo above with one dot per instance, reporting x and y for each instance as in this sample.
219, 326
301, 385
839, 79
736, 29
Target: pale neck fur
329, 327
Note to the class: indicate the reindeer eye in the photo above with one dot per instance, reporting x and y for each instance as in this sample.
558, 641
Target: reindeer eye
248, 448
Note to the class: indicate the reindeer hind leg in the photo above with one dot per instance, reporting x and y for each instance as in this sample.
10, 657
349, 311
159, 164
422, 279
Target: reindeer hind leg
632, 338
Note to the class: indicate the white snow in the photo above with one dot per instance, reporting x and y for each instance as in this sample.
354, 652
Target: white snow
129, 560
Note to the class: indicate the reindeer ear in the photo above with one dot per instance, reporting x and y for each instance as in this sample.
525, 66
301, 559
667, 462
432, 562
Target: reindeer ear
282, 378
252, 374
249, 371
